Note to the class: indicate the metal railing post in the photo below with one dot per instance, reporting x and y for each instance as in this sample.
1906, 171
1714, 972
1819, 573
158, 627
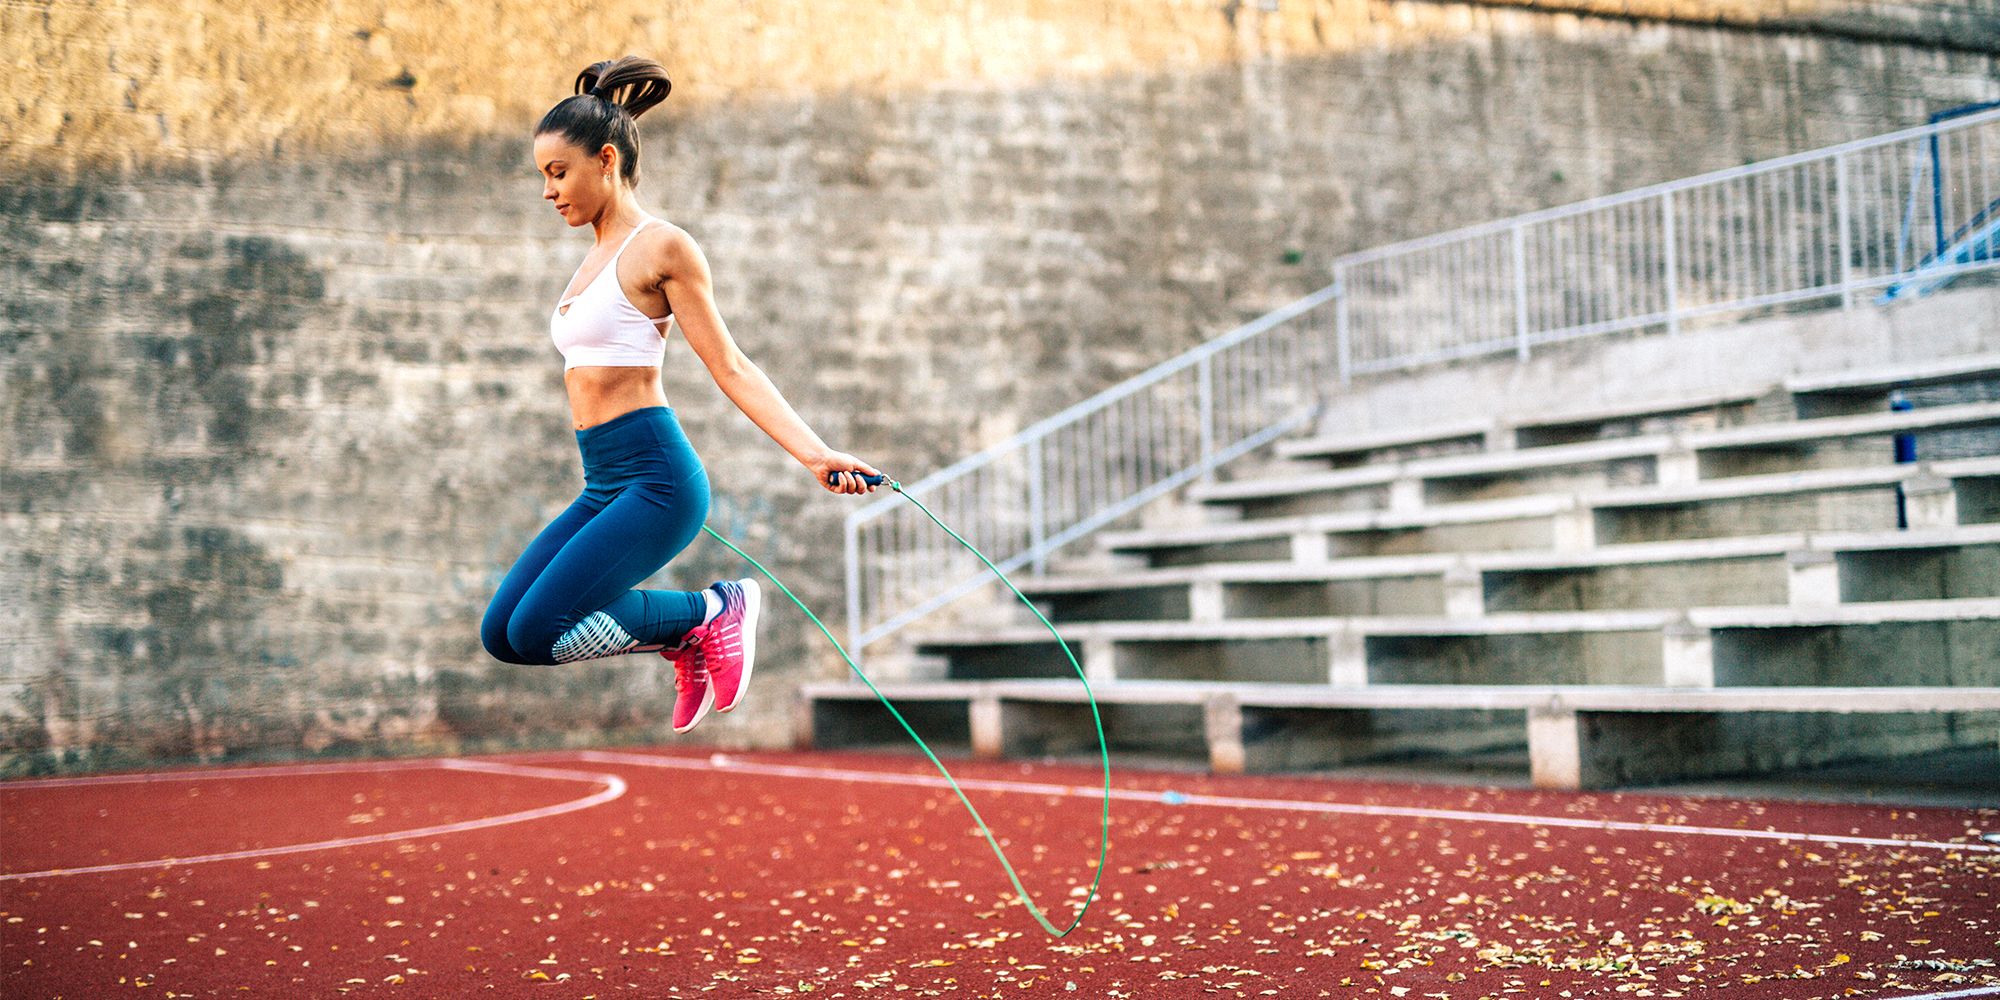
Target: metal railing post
1846, 237
1205, 393
1520, 290
1671, 262
1343, 347
1037, 529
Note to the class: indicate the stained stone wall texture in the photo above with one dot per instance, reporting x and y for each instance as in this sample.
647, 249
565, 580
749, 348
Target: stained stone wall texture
277, 403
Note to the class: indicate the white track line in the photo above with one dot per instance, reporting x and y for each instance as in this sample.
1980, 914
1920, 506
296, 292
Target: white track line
1982, 991
1286, 805
614, 787
359, 767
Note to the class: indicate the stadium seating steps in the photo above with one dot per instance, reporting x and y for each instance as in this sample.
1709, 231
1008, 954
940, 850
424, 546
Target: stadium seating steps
1727, 584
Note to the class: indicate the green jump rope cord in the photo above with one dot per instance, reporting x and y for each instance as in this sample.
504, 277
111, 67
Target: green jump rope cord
1104, 835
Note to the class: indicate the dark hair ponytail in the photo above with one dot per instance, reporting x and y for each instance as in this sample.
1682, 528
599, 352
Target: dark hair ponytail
610, 96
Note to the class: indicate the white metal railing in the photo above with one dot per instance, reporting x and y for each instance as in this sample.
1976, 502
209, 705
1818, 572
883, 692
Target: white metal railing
1820, 227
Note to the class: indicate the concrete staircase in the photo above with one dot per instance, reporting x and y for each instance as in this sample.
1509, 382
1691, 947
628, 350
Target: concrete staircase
1726, 583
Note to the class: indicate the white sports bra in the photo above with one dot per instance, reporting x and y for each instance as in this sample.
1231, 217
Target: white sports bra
602, 326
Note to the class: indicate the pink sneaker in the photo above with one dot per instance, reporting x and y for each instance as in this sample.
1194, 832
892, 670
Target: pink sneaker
728, 643
695, 695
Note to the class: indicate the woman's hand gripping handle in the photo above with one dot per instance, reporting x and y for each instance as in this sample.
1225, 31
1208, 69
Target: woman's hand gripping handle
841, 473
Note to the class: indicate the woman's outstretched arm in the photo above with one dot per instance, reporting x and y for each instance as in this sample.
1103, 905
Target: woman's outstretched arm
689, 292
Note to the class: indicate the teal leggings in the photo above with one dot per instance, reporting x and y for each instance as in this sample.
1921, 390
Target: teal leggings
569, 596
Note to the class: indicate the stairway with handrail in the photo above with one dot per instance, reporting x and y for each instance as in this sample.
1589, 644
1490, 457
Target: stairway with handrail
1658, 587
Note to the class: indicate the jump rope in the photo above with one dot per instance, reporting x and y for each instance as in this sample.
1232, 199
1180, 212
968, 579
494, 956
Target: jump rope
1104, 753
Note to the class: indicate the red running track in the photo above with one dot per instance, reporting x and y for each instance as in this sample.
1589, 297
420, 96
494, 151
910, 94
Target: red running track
677, 874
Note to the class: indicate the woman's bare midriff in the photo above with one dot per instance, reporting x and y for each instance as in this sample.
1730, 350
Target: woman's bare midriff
598, 393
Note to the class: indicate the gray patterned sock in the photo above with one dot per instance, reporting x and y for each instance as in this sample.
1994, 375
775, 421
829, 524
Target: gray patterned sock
598, 634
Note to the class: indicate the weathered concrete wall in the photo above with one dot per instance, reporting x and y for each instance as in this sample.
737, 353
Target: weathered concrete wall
134, 83
277, 404
1972, 25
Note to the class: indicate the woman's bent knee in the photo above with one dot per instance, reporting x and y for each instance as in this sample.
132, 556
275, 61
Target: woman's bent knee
515, 639
532, 638
498, 647
493, 634
500, 650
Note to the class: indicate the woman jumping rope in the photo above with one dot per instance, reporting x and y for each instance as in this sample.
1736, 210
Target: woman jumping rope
570, 594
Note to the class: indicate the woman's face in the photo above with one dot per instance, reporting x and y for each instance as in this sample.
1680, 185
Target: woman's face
574, 180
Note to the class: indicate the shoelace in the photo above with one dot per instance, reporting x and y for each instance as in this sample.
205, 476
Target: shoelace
683, 657
685, 676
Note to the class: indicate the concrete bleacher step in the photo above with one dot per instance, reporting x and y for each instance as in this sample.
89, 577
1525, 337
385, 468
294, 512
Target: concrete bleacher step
1776, 446
1525, 432
1936, 494
1304, 537
1804, 430
1953, 641
1705, 585
1808, 568
1701, 411
1458, 437
1591, 736
1806, 481
1415, 483
1813, 395
1864, 390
